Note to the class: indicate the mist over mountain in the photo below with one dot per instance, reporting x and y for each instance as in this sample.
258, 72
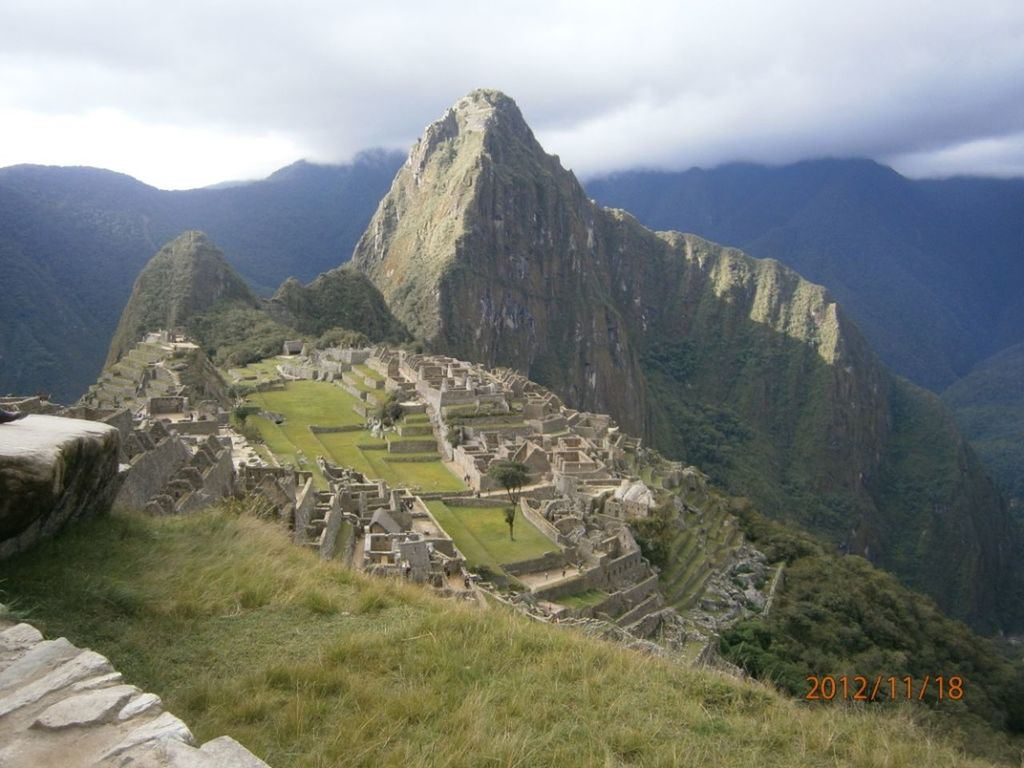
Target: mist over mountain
73, 240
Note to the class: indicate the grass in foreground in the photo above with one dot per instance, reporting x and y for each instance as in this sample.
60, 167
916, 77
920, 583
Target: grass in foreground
311, 665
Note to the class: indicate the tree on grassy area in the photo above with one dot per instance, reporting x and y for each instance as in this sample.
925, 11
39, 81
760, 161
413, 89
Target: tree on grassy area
510, 519
512, 476
391, 411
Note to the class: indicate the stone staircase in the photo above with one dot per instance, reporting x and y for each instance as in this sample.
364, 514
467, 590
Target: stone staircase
64, 707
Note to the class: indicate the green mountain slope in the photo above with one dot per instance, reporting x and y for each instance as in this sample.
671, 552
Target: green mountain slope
989, 407
186, 277
930, 270
927, 269
489, 250
341, 298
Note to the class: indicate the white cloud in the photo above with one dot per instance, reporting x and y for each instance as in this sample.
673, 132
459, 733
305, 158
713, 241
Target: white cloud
605, 84
167, 156
998, 156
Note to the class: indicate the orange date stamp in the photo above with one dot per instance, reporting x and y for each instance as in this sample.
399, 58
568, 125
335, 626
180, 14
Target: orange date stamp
884, 688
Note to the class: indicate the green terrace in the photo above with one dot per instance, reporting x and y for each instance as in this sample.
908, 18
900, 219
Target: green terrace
315, 403
367, 383
481, 534
254, 373
695, 549
587, 599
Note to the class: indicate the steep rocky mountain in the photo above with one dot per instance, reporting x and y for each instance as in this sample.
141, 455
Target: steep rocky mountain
989, 406
486, 248
189, 284
186, 277
73, 240
930, 270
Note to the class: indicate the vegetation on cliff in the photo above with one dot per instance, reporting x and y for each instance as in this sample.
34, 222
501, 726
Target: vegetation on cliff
838, 615
929, 269
989, 407
186, 277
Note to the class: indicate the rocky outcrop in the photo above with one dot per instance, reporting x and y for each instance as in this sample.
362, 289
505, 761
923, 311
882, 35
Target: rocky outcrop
53, 471
67, 707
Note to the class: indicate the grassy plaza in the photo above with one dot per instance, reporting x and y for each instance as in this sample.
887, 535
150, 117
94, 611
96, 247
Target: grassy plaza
306, 403
481, 534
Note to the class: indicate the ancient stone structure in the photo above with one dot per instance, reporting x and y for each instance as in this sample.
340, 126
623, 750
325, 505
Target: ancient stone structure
583, 490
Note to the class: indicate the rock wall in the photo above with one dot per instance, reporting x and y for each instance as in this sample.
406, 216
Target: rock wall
53, 471
150, 471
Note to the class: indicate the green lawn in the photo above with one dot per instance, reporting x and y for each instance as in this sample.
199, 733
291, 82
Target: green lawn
368, 371
481, 535
586, 599
315, 402
264, 370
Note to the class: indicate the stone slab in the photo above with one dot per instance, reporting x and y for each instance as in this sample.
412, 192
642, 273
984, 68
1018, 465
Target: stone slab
19, 636
140, 705
164, 727
228, 753
101, 681
44, 655
85, 664
87, 708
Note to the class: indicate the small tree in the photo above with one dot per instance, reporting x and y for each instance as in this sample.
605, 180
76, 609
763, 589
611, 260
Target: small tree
512, 476
390, 412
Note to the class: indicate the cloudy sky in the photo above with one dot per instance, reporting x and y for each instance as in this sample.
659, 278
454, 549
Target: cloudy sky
185, 93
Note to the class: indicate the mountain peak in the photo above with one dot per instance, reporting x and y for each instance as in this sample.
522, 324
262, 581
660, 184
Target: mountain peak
489, 102
482, 121
189, 275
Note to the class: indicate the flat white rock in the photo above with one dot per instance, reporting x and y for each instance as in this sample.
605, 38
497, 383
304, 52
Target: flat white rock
85, 664
42, 656
228, 753
103, 681
88, 708
19, 636
141, 704
165, 727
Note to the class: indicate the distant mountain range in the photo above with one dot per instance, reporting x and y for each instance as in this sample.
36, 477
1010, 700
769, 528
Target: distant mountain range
932, 271
73, 240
